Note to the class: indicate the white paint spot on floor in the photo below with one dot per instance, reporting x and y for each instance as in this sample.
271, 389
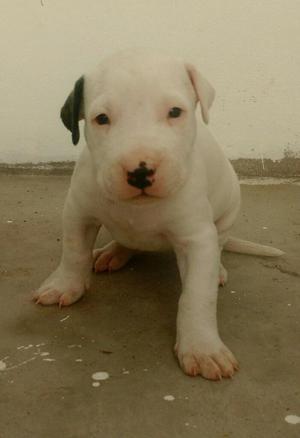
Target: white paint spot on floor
186, 424
169, 398
65, 318
289, 304
292, 419
20, 347
45, 353
27, 347
145, 369
78, 360
126, 372
21, 364
40, 345
75, 345
265, 228
233, 291
95, 384
100, 375
48, 359
9, 222
2, 365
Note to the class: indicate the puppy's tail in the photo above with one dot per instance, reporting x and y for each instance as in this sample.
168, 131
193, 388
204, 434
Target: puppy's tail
234, 244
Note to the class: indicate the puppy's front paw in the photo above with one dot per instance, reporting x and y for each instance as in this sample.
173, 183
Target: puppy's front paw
213, 363
59, 289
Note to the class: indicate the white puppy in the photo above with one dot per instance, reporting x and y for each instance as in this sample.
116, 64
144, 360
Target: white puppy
153, 176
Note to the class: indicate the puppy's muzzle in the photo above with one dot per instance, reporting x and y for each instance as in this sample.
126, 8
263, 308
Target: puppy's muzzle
141, 177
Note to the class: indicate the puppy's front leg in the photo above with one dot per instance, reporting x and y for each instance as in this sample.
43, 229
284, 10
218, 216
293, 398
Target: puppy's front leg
198, 346
69, 281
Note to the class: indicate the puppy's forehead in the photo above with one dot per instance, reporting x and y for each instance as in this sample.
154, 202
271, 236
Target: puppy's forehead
137, 72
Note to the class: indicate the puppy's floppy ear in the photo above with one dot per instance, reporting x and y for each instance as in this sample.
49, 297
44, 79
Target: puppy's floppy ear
72, 111
204, 91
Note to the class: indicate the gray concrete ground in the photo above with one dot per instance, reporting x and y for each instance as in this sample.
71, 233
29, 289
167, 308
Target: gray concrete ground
126, 326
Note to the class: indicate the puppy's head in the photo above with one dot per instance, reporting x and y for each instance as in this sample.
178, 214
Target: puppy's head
140, 125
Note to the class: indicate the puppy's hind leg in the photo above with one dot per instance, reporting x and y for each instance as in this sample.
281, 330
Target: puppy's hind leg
111, 257
223, 275
223, 226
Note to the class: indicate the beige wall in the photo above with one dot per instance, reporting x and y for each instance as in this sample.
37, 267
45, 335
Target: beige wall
249, 49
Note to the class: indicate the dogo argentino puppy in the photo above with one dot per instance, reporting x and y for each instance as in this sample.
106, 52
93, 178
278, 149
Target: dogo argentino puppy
155, 178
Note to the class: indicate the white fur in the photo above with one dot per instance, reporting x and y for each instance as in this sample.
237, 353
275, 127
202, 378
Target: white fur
192, 204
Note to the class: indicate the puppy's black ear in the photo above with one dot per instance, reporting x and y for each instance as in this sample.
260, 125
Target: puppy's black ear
72, 111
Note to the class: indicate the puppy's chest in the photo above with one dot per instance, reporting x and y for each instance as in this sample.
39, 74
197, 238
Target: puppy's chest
136, 229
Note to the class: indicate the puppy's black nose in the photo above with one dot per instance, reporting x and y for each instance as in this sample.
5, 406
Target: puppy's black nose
139, 177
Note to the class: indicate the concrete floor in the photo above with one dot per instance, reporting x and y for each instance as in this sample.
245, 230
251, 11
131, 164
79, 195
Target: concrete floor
126, 326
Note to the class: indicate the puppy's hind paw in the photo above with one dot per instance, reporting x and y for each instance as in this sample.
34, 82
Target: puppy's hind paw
111, 257
223, 276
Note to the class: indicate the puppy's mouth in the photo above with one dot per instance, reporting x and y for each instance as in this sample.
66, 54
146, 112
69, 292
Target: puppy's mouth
146, 196
143, 196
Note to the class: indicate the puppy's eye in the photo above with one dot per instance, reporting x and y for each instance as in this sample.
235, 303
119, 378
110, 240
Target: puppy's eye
102, 119
175, 112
